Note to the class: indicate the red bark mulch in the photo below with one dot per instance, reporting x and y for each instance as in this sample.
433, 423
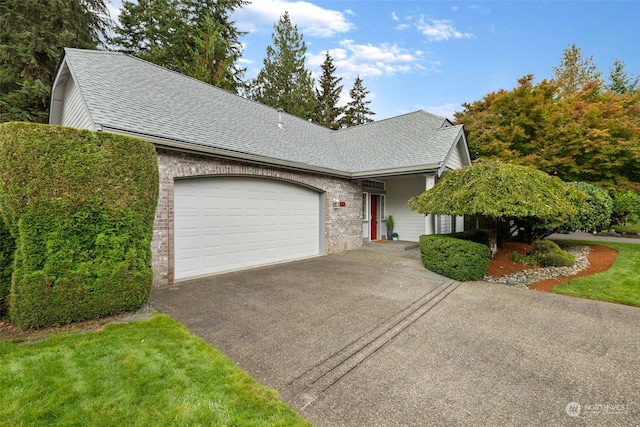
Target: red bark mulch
600, 259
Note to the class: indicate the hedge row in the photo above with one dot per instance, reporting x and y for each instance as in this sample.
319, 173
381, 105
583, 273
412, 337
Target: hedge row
7, 248
476, 235
80, 206
454, 258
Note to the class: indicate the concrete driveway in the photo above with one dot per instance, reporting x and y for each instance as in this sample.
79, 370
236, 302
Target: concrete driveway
369, 337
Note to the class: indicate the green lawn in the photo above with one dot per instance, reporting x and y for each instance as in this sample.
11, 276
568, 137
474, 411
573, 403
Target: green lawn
144, 373
621, 283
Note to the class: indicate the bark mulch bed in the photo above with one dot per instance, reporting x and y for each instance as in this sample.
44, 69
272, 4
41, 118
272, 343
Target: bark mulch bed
600, 259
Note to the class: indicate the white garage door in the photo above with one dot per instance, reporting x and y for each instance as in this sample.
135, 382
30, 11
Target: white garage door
227, 223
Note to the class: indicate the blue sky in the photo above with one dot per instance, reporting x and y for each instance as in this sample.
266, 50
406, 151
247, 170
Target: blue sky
435, 55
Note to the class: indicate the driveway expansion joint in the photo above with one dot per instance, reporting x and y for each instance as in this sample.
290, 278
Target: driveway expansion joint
306, 388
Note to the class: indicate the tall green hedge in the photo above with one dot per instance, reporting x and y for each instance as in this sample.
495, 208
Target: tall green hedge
7, 248
80, 206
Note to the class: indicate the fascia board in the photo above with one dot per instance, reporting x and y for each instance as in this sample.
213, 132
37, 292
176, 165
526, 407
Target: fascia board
396, 171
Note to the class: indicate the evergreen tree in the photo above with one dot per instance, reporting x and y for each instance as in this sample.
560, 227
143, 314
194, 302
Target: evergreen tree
215, 47
151, 30
619, 81
357, 111
31, 46
284, 82
574, 71
193, 37
328, 95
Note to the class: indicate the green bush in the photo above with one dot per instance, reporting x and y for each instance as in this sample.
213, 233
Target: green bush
7, 248
627, 229
479, 236
80, 206
549, 254
454, 258
523, 259
594, 214
626, 206
545, 246
555, 259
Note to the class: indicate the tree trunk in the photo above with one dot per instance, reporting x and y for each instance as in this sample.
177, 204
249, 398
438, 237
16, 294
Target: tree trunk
493, 236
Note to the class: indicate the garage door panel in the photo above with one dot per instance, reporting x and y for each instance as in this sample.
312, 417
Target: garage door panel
228, 223
254, 238
234, 207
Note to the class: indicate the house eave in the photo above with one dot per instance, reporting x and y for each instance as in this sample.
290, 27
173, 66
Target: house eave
410, 170
188, 147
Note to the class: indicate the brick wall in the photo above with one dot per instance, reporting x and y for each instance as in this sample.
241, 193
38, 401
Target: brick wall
343, 225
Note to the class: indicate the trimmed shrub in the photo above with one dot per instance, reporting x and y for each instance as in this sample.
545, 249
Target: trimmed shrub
556, 259
545, 246
7, 248
81, 207
549, 254
454, 258
479, 236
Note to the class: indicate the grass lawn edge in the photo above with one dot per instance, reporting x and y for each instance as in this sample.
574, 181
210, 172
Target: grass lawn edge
620, 284
136, 373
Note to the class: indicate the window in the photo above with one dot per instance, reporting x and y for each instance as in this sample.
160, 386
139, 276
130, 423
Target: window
374, 185
383, 206
365, 206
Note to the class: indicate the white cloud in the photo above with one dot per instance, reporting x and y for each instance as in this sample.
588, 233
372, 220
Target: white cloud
385, 52
394, 16
479, 8
368, 60
403, 27
312, 20
438, 30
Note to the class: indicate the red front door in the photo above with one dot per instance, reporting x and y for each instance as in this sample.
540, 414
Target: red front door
374, 217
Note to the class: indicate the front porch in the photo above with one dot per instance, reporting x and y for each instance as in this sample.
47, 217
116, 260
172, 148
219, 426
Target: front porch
388, 196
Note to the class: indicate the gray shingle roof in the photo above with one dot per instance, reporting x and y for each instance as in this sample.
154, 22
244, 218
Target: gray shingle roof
128, 94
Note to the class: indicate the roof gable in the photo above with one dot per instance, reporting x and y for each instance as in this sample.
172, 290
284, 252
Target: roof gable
126, 94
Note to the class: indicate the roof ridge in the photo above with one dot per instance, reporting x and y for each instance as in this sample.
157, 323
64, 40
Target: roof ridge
395, 118
208, 85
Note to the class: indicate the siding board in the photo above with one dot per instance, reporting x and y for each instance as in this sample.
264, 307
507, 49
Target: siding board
74, 111
455, 159
409, 225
